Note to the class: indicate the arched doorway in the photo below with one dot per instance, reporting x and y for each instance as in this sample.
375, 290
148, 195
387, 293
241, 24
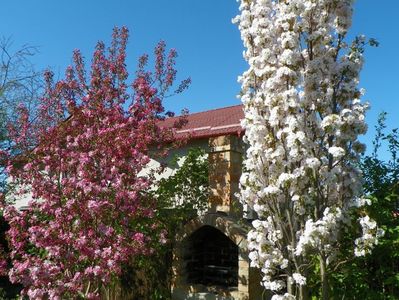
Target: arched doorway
210, 261
211, 258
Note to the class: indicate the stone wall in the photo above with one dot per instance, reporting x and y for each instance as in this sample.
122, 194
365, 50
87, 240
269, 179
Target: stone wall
225, 163
225, 214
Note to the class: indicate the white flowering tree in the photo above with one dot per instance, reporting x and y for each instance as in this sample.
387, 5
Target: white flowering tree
303, 115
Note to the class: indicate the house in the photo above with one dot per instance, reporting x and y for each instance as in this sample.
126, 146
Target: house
211, 260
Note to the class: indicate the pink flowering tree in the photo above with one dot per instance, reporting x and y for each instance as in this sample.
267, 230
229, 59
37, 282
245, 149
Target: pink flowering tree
82, 162
303, 116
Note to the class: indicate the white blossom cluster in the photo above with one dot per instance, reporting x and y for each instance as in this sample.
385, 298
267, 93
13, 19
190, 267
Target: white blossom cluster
303, 115
370, 236
286, 296
268, 257
320, 234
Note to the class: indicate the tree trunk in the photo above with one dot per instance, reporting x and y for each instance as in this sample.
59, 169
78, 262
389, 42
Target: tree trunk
303, 292
290, 286
325, 288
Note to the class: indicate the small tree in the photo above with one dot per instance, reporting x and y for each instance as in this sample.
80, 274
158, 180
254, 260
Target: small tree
90, 212
20, 84
180, 197
302, 118
187, 189
376, 276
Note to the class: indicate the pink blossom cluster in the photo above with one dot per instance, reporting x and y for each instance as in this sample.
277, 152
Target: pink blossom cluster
90, 212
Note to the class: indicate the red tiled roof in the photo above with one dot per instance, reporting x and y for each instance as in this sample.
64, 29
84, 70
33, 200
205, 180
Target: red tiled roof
216, 122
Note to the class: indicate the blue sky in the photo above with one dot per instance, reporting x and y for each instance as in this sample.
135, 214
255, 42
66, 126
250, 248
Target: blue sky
209, 45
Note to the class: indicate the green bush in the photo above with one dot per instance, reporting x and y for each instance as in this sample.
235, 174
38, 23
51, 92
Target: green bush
149, 276
376, 276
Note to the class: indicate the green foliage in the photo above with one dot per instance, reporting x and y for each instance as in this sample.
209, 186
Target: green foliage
186, 191
180, 197
376, 276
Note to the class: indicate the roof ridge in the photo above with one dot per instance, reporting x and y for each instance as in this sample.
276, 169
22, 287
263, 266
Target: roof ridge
214, 122
214, 109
